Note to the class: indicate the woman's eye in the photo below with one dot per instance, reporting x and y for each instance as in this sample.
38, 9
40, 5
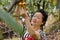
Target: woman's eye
38, 18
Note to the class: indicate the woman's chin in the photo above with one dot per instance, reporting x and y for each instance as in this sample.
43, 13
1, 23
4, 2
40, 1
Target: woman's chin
33, 23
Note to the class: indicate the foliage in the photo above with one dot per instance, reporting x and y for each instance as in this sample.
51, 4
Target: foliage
11, 23
0, 34
31, 6
55, 27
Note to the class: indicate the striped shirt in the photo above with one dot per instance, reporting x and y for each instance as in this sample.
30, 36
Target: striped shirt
28, 37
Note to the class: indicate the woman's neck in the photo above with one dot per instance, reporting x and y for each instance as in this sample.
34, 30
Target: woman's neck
36, 27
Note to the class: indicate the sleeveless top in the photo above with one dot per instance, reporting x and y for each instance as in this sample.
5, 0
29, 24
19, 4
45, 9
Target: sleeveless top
28, 37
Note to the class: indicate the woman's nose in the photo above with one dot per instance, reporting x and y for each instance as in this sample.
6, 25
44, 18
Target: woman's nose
35, 18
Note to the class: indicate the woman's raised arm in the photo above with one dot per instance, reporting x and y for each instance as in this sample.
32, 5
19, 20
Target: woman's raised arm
30, 29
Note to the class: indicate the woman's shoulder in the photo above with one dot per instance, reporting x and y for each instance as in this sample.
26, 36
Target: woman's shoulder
43, 35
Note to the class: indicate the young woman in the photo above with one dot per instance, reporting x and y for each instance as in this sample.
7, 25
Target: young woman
33, 28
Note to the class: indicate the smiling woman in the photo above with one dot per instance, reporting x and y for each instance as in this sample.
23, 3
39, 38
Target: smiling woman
33, 31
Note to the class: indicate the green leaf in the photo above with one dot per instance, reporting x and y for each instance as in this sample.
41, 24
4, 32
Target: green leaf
9, 20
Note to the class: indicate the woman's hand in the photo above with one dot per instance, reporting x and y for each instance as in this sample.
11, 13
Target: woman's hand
23, 13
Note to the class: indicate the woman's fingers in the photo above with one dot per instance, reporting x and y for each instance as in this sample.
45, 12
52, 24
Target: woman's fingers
23, 12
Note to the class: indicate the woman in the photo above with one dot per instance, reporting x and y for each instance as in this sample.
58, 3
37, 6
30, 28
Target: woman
33, 28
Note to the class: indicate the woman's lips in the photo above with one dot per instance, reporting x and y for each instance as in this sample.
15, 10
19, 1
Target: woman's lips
34, 21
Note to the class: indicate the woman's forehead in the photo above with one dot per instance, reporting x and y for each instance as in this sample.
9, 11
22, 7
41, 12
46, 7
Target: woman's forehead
38, 14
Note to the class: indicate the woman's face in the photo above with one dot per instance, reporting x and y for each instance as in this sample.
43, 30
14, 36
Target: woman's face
37, 19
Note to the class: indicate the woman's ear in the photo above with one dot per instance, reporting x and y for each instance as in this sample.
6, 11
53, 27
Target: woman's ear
43, 23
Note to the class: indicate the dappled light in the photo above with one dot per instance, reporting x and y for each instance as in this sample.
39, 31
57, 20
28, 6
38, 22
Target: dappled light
13, 16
